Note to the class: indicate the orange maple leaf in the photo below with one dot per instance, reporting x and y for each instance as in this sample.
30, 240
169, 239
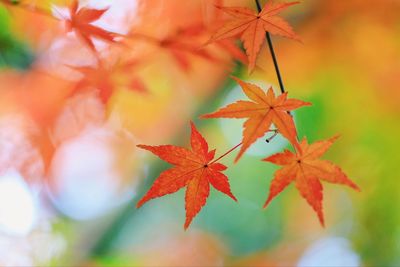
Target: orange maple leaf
262, 111
235, 52
81, 20
186, 42
252, 26
193, 168
108, 77
305, 169
182, 44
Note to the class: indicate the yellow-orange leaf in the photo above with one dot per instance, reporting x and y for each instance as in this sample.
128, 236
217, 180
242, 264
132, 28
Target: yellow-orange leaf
306, 169
261, 112
252, 26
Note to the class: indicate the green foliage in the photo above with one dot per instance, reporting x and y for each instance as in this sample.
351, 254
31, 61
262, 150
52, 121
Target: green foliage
247, 228
13, 52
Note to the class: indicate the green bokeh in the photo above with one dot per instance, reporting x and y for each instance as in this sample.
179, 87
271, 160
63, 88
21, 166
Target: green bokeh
13, 52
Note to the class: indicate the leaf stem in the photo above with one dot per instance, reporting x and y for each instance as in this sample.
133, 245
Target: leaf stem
226, 153
269, 139
272, 51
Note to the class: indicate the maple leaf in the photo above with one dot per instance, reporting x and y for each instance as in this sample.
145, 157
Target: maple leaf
262, 111
183, 44
235, 52
192, 168
306, 169
81, 20
108, 77
252, 26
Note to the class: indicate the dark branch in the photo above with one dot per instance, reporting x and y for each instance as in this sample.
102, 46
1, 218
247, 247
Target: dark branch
271, 50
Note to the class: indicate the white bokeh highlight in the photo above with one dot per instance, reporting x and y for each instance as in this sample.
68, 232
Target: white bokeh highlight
83, 169
18, 210
332, 251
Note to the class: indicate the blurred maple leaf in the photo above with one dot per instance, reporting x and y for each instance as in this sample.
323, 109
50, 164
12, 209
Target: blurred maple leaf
253, 25
262, 111
107, 77
41, 103
193, 168
81, 20
183, 44
305, 169
18, 149
186, 43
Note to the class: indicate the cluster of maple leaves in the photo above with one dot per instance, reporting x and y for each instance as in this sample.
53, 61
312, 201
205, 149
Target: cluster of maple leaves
196, 168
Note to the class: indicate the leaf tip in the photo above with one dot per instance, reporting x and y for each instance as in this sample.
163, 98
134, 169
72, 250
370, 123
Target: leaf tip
334, 138
321, 217
187, 224
233, 197
236, 79
237, 158
267, 202
142, 146
307, 104
357, 188
354, 186
267, 159
207, 116
140, 203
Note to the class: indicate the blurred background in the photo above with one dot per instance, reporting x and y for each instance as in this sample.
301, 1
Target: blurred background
70, 173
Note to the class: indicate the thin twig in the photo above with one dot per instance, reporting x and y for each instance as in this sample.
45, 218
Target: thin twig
272, 51
226, 153
278, 73
276, 132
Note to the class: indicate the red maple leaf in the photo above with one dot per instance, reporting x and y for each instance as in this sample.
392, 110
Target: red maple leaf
252, 26
194, 169
81, 20
306, 169
262, 111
